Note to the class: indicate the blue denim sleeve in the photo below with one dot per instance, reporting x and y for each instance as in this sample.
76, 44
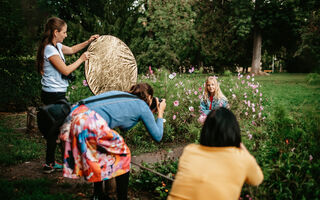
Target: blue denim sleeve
204, 107
225, 103
154, 127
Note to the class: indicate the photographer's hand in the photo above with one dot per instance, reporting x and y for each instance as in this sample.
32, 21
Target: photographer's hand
161, 108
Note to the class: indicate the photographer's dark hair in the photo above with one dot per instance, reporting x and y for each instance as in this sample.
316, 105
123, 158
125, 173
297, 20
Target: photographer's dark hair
142, 90
221, 129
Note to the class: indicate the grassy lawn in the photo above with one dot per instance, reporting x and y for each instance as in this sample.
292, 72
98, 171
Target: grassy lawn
285, 142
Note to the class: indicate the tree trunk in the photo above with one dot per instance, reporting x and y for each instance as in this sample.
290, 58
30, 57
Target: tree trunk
256, 55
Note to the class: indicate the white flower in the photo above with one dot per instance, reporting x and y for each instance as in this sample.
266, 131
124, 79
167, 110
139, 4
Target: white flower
171, 76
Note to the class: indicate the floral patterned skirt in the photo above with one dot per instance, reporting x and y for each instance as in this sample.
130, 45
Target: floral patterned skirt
92, 149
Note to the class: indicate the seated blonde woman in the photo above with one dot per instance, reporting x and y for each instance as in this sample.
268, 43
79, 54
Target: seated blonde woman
213, 97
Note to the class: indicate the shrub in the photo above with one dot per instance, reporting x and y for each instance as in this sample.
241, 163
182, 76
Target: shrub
21, 83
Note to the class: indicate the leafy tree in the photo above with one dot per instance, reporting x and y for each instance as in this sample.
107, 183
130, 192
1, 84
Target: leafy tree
105, 17
169, 34
275, 25
19, 21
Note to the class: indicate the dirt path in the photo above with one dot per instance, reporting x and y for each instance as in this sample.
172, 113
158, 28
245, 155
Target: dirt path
33, 169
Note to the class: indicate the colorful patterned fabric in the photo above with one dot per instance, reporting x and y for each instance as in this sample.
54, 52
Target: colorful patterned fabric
92, 149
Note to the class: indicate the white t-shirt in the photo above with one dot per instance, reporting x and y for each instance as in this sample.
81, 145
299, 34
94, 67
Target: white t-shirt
52, 80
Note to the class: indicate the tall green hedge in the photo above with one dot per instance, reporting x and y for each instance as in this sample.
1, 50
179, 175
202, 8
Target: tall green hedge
20, 83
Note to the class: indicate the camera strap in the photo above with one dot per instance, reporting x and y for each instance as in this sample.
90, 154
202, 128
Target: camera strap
59, 54
83, 102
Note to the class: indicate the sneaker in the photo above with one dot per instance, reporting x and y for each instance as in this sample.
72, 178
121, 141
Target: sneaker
47, 169
57, 166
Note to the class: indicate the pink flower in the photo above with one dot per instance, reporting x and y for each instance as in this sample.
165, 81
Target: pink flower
259, 114
200, 96
191, 70
250, 136
174, 117
261, 107
248, 77
150, 70
202, 118
253, 110
253, 123
234, 96
310, 157
84, 83
242, 82
200, 89
195, 93
191, 109
249, 103
246, 113
176, 103
260, 94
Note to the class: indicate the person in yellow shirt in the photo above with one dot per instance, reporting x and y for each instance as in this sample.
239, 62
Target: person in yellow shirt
217, 167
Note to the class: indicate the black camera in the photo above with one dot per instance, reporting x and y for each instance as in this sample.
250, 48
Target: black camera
154, 103
71, 77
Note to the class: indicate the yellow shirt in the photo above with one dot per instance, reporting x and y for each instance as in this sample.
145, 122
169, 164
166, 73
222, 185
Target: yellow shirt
214, 173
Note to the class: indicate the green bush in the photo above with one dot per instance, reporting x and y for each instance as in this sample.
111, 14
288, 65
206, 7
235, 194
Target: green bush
147, 181
21, 84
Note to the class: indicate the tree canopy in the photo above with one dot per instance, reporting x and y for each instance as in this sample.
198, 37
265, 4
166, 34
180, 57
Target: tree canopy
176, 33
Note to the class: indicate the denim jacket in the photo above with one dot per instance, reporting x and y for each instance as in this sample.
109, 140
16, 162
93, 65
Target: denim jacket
126, 112
216, 103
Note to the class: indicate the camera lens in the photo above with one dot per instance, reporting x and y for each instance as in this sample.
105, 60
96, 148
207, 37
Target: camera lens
154, 103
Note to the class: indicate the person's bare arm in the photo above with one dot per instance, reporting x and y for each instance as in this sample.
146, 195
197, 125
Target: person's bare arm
74, 49
58, 63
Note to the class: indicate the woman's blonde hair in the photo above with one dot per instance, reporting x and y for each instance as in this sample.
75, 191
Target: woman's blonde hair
217, 91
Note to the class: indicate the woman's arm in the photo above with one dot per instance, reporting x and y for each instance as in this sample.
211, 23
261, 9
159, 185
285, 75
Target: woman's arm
74, 49
254, 175
58, 63
204, 107
154, 127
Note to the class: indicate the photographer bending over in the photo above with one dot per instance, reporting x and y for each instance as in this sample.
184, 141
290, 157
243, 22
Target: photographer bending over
93, 148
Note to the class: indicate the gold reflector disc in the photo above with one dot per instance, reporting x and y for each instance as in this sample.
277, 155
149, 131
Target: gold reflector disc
111, 65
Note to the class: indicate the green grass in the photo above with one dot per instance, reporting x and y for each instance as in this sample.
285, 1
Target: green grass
16, 147
291, 91
37, 189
